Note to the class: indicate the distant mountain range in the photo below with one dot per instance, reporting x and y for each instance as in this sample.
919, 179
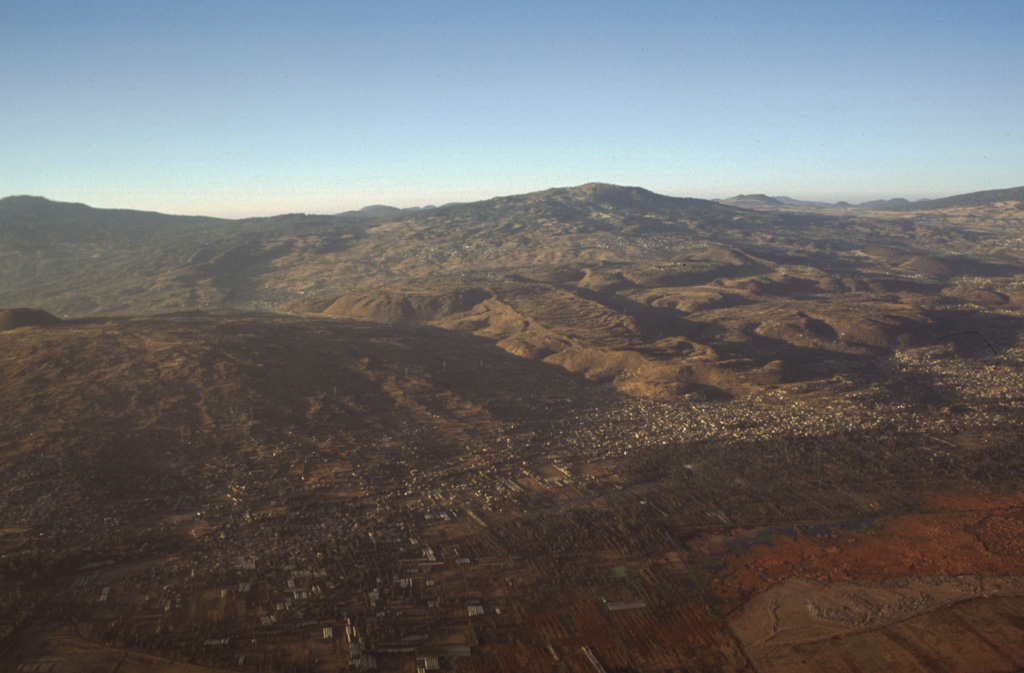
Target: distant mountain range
762, 201
25, 210
73, 260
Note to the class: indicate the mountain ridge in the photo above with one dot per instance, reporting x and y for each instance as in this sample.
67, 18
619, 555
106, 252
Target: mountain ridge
72, 259
591, 192
899, 204
970, 199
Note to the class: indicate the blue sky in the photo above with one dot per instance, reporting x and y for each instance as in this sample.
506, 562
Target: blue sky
240, 108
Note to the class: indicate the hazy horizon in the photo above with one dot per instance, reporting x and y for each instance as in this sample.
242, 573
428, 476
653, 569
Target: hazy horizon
437, 203
239, 109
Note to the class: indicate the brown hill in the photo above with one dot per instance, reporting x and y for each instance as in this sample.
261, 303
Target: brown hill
926, 266
14, 318
1013, 195
395, 305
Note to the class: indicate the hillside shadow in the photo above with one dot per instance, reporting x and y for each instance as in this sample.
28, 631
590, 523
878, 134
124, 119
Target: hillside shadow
654, 322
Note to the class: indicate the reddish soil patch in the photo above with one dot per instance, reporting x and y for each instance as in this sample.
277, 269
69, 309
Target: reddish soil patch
973, 534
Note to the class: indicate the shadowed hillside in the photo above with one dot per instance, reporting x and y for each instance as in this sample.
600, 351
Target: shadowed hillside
15, 318
124, 408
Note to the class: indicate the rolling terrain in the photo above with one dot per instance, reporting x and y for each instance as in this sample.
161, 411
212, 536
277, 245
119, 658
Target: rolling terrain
585, 428
620, 284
